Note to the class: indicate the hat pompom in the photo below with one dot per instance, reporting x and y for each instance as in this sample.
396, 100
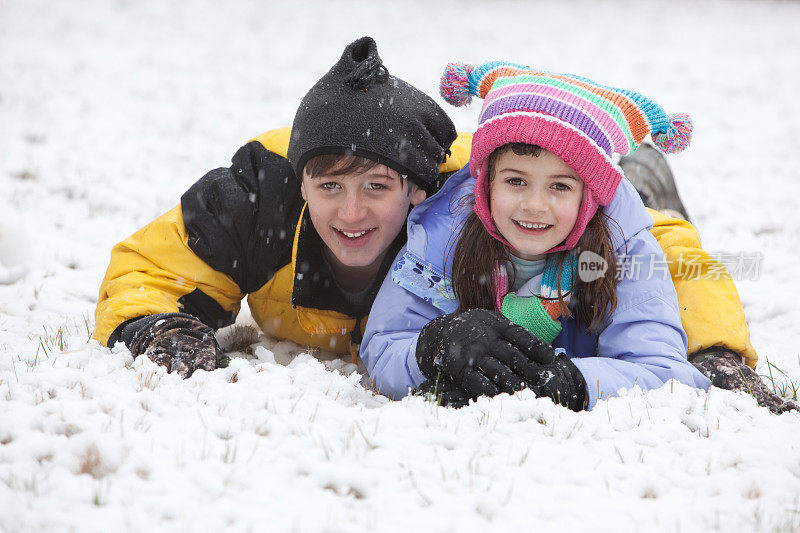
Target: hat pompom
454, 85
678, 134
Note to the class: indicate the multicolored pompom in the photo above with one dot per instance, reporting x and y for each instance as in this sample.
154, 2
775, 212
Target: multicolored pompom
678, 135
454, 85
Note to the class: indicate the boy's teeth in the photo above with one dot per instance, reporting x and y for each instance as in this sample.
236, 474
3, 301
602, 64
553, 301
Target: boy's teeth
354, 235
531, 225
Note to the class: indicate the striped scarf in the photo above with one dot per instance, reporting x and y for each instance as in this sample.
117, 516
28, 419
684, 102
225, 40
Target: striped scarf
538, 314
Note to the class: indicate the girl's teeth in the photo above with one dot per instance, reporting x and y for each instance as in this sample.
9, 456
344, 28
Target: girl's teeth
354, 235
531, 225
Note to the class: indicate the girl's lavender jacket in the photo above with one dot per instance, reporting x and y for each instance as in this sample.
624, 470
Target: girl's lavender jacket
642, 344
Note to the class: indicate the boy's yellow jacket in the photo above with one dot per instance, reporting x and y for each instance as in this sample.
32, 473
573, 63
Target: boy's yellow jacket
244, 231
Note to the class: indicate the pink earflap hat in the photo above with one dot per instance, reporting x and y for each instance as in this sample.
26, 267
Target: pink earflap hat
578, 120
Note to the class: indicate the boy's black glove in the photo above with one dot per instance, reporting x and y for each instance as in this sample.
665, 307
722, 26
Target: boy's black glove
726, 370
177, 341
480, 351
443, 391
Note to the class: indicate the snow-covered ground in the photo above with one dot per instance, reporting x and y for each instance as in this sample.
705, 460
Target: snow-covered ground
110, 110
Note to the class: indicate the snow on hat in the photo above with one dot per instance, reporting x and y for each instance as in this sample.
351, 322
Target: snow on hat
359, 109
580, 121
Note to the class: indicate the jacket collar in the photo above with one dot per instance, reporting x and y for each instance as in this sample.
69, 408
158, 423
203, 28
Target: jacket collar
314, 284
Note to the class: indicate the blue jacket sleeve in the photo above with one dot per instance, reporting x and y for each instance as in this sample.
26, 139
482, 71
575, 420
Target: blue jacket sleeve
390, 340
643, 342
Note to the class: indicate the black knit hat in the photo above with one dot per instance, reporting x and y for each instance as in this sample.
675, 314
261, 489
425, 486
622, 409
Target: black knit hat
358, 108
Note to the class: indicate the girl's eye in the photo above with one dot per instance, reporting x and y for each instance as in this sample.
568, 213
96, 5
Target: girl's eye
562, 187
517, 182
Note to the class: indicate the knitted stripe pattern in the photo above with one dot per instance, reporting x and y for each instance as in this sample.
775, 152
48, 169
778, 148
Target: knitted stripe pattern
529, 312
538, 314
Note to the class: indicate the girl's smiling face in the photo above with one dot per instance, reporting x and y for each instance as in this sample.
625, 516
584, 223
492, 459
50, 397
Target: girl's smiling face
534, 201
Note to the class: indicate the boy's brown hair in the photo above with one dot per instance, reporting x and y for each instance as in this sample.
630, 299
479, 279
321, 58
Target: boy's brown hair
342, 165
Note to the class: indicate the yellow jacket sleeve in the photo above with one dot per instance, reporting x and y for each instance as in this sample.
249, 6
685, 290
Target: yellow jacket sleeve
459, 153
151, 271
711, 311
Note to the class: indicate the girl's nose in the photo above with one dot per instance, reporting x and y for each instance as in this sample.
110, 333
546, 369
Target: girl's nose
533, 200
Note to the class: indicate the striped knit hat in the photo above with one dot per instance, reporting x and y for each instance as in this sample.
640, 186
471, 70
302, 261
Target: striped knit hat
580, 121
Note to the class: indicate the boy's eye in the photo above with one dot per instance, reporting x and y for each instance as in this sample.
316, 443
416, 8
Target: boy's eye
376, 186
329, 185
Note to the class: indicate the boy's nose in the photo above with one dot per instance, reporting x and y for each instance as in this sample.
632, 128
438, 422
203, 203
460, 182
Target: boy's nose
353, 209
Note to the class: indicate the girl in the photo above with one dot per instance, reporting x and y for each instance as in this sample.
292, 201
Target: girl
556, 252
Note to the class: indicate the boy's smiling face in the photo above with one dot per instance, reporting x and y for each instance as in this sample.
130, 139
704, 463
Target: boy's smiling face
359, 215
534, 201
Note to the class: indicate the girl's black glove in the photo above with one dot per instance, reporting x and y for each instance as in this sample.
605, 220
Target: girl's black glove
481, 351
442, 391
177, 341
560, 380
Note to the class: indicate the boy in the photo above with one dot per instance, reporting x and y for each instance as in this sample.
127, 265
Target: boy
366, 146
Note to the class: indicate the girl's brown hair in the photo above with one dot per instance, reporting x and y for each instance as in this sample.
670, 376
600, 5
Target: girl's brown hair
476, 253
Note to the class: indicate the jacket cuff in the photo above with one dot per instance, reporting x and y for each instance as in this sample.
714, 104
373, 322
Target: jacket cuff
417, 377
127, 331
116, 335
718, 351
